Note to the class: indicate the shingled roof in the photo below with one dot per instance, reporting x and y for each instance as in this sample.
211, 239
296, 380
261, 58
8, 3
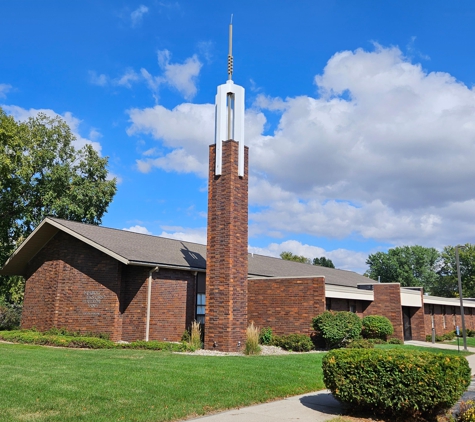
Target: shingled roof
141, 249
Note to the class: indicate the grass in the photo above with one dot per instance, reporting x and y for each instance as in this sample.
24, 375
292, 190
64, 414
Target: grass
423, 349
55, 384
470, 342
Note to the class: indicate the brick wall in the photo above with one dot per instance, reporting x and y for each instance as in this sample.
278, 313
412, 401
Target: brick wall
226, 276
72, 285
287, 305
446, 318
75, 286
173, 304
387, 302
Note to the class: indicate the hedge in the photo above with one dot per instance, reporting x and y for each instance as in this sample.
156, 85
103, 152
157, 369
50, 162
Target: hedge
46, 339
399, 382
294, 342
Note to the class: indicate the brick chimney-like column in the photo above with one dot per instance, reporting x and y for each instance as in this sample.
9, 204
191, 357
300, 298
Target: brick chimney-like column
227, 255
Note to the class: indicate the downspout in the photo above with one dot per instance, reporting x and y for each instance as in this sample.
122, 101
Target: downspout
149, 301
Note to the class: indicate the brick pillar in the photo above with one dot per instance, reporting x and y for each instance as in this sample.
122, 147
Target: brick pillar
226, 256
387, 302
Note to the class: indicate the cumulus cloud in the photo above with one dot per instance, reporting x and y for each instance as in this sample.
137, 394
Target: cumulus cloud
385, 151
343, 259
195, 235
137, 229
182, 77
4, 89
137, 15
23, 114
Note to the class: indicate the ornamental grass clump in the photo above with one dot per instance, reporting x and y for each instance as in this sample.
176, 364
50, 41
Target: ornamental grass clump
195, 335
409, 384
252, 340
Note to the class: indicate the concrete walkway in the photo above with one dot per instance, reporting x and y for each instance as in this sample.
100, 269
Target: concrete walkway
319, 406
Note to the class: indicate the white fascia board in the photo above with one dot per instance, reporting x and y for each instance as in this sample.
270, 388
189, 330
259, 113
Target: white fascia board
447, 301
343, 292
32, 234
88, 241
411, 298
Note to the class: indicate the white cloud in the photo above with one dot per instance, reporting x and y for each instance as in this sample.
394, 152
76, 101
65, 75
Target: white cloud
137, 229
343, 259
137, 15
100, 80
126, 79
23, 114
195, 235
4, 89
385, 152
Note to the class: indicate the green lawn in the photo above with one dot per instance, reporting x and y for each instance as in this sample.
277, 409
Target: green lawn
53, 384
470, 342
423, 349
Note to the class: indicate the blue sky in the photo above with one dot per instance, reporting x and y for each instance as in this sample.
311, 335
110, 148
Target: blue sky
360, 116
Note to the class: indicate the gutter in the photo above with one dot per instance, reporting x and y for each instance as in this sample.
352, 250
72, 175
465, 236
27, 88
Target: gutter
149, 301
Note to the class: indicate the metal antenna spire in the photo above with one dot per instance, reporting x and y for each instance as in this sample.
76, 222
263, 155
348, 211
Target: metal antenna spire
230, 55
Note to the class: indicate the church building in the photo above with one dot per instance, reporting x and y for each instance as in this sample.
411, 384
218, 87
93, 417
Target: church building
141, 287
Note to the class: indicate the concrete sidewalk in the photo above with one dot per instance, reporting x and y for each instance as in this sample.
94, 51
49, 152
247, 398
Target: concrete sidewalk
319, 406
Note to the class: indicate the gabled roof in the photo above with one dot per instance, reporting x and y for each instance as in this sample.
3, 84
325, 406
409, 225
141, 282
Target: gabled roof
141, 249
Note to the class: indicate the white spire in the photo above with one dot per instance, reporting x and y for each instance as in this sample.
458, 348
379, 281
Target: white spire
229, 114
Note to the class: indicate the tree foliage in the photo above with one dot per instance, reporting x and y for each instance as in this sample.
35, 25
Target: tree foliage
408, 265
322, 261
289, 256
42, 174
447, 283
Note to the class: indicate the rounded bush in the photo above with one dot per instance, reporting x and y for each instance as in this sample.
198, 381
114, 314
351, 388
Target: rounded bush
398, 382
360, 343
294, 342
337, 328
377, 326
395, 341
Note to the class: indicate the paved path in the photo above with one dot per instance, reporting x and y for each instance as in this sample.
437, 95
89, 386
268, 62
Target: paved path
318, 406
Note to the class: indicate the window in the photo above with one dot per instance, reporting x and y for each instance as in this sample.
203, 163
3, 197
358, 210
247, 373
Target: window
200, 307
352, 306
200, 298
453, 316
328, 304
443, 317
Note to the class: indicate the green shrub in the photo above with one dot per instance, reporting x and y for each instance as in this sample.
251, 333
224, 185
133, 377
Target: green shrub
470, 333
376, 341
337, 328
46, 339
294, 342
65, 332
377, 326
156, 345
449, 336
360, 343
10, 315
467, 411
397, 382
395, 340
265, 336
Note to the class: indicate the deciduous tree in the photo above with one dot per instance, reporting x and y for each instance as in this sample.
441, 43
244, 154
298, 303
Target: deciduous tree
409, 265
41, 174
